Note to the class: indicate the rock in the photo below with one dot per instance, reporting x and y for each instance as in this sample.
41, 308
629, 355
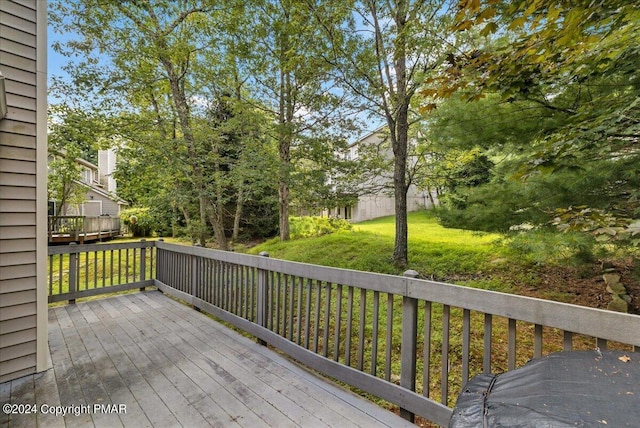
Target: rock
626, 298
617, 288
611, 278
618, 305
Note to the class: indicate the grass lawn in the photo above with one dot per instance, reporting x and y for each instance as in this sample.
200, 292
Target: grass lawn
434, 251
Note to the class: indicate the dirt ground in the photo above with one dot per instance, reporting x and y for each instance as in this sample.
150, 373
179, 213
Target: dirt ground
583, 286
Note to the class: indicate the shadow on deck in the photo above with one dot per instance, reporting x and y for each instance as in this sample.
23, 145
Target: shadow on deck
163, 364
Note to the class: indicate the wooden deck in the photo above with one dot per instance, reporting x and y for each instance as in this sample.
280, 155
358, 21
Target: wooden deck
173, 366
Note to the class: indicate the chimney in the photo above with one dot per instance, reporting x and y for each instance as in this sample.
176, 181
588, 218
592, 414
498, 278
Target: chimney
106, 168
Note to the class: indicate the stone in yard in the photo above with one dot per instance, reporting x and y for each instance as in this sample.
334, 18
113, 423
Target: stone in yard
618, 305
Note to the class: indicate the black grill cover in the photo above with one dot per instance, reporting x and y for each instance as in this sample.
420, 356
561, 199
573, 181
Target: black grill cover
565, 389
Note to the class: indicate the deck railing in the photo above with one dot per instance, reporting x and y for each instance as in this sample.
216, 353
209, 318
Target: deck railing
78, 228
411, 342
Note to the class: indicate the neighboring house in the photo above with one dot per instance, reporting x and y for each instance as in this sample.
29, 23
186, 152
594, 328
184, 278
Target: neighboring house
101, 198
379, 202
23, 189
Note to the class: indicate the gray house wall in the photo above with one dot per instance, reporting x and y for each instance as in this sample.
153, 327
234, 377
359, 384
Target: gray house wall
23, 189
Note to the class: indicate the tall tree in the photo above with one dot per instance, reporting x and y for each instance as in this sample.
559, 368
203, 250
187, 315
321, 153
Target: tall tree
298, 88
383, 51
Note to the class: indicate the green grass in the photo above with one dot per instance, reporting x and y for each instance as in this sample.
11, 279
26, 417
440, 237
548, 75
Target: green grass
434, 251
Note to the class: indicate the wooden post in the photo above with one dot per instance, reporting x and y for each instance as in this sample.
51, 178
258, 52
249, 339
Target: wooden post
143, 261
409, 345
263, 297
73, 273
158, 265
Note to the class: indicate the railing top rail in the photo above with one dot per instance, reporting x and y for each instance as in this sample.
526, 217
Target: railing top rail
68, 249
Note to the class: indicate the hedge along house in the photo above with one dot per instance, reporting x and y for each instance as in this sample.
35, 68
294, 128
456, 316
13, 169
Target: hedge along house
23, 188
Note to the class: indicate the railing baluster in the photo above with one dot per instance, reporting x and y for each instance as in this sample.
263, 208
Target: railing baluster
444, 372
511, 344
362, 327
327, 315
389, 338
338, 319
488, 331
537, 341
291, 287
426, 350
466, 342
307, 318
316, 329
567, 341
347, 346
374, 332
299, 310
278, 301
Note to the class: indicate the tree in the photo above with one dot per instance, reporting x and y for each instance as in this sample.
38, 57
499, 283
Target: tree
73, 135
577, 62
383, 52
298, 91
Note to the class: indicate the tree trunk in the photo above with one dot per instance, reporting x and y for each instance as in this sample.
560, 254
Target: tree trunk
238, 215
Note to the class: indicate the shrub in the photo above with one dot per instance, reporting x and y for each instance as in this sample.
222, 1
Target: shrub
139, 221
307, 227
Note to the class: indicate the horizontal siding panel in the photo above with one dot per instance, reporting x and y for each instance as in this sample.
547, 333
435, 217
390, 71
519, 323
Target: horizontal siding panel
18, 367
18, 180
17, 153
20, 271
12, 126
19, 193
19, 311
17, 140
17, 35
17, 298
13, 21
17, 232
17, 114
17, 351
14, 74
16, 87
13, 206
30, 4
18, 324
18, 49
15, 285
14, 259
16, 166
17, 62
17, 219
21, 102
17, 245
18, 10
15, 338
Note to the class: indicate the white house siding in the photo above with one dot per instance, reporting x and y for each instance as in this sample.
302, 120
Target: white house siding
23, 172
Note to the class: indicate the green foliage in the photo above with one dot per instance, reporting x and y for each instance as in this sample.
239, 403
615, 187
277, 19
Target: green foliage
548, 247
307, 227
573, 68
139, 221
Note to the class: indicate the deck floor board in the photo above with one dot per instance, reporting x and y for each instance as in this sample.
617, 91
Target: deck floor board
173, 366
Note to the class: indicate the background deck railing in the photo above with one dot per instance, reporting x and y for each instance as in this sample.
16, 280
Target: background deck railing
410, 342
81, 228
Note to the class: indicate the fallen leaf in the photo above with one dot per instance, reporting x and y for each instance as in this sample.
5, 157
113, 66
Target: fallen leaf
624, 359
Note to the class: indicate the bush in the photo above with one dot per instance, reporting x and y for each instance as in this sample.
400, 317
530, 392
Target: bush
308, 227
139, 221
